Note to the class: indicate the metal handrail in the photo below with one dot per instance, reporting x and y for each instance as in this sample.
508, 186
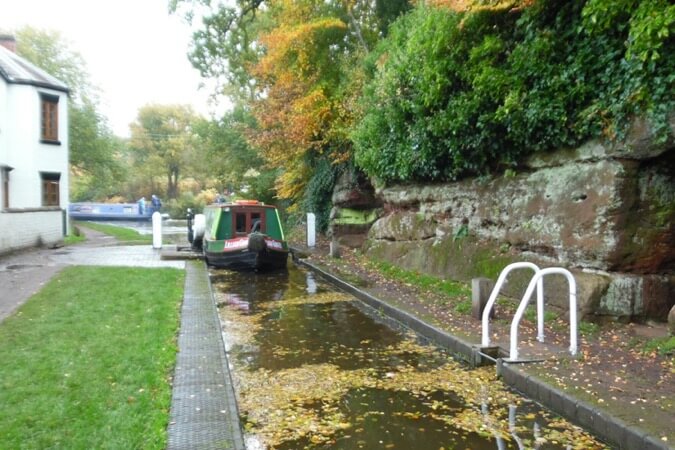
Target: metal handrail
536, 279
493, 297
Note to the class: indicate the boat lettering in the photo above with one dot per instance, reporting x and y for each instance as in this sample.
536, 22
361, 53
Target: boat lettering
236, 243
273, 244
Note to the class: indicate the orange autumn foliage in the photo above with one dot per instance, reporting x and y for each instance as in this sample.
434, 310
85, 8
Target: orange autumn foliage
295, 110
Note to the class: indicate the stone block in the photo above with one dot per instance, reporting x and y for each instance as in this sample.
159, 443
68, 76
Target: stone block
570, 408
635, 439
616, 432
481, 288
651, 443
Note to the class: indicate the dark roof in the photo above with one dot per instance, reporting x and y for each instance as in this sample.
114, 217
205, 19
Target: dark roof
17, 70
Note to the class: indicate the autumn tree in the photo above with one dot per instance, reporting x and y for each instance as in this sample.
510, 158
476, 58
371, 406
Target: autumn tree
163, 144
292, 63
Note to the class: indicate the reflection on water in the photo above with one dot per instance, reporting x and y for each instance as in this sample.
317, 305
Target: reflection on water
313, 370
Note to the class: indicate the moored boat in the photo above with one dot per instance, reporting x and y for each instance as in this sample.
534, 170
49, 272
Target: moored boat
115, 211
244, 234
108, 211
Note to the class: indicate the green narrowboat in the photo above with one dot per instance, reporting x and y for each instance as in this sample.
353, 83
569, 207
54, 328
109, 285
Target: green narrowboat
245, 234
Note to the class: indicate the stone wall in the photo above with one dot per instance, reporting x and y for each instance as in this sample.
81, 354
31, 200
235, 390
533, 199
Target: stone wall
23, 228
605, 212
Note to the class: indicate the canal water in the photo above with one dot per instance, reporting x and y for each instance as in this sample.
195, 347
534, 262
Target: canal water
314, 368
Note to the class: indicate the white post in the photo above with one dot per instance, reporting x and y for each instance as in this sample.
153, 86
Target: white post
513, 351
311, 229
156, 230
485, 342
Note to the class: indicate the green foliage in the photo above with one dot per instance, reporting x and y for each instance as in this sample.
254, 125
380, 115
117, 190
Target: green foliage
163, 144
177, 207
50, 51
461, 233
448, 287
469, 93
91, 359
663, 346
588, 328
125, 235
531, 314
230, 161
73, 238
464, 307
318, 192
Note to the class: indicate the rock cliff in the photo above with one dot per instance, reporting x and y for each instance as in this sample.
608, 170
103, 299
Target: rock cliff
606, 212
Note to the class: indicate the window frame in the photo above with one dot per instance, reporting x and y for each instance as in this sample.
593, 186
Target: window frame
51, 188
4, 186
49, 119
248, 213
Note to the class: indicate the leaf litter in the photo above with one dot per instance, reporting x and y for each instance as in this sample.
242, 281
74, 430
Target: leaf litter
306, 403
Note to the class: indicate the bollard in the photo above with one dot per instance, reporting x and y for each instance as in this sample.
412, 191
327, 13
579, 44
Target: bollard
334, 249
311, 230
480, 293
156, 230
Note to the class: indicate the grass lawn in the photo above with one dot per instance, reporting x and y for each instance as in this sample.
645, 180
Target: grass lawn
125, 235
86, 361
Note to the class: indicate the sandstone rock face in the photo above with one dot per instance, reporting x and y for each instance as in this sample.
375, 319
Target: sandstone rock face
606, 213
355, 208
353, 190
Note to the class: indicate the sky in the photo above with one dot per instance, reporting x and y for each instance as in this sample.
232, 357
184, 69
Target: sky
136, 53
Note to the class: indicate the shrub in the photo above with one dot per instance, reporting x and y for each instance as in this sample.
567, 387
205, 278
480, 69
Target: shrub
459, 94
177, 208
319, 191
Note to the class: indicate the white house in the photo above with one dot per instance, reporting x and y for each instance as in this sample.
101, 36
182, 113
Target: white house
33, 153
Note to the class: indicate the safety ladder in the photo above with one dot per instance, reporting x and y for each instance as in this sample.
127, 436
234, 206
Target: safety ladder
537, 281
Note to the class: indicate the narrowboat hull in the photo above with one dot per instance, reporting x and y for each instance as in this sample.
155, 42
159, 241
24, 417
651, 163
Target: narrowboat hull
245, 258
108, 211
242, 235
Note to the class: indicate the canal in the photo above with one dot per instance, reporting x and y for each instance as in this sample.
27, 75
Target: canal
315, 368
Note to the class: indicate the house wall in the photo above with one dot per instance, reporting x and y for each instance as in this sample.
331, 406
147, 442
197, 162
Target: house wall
22, 229
4, 129
26, 222
24, 151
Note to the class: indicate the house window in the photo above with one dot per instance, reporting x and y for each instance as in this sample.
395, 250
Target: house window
50, 189
50, 118
4, 186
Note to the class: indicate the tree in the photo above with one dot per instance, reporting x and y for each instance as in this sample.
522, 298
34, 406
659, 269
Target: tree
162, 141
292, 65
230, 160
94, 163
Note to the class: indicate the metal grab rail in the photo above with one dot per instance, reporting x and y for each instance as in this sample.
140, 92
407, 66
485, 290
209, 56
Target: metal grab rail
493, 297
538, 276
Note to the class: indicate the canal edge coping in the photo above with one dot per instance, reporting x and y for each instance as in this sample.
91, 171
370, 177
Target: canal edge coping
607, 427
204, 412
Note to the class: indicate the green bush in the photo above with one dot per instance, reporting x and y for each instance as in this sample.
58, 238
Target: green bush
319, 191
459, 94
177, 208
